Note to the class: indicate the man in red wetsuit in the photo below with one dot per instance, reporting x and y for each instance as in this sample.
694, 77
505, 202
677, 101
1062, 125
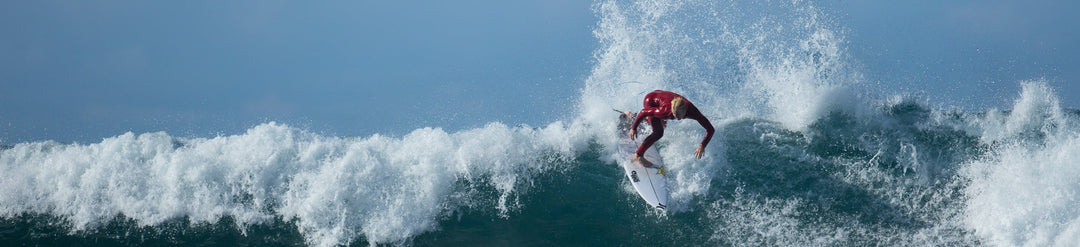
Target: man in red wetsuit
662, 105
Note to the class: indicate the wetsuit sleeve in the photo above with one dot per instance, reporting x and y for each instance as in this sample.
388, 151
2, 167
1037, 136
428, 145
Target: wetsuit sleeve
695, 114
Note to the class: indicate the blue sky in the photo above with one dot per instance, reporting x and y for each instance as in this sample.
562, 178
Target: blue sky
82, 71
968, 54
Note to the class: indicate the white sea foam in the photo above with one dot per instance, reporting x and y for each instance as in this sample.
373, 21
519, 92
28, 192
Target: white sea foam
1035, 112
385, 189
1025, 192
750, 221
795, 66
1027, 196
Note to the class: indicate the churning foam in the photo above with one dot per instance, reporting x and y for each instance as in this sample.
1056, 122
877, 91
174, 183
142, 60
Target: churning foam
1025, 192
336, 189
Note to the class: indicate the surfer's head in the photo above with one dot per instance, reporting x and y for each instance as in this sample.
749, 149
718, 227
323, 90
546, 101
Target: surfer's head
678, 107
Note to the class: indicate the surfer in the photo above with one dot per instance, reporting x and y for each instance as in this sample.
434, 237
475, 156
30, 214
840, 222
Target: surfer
659, 106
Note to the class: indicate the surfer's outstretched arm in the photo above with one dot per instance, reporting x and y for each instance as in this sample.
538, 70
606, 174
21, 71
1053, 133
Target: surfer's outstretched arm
695, 114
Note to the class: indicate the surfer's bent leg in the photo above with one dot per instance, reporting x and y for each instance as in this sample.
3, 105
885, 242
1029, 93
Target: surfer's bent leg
657, 132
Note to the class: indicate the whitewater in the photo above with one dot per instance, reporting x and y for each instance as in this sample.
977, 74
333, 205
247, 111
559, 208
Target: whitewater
806, 154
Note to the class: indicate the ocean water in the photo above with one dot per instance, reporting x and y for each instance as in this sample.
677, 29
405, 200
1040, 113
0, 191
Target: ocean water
806, 154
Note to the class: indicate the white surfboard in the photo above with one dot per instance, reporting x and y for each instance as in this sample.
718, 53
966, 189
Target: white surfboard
649, 182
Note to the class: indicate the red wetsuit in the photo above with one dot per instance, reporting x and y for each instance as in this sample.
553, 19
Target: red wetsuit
657, 109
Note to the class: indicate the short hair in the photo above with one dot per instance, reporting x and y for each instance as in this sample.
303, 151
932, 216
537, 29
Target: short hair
678, 107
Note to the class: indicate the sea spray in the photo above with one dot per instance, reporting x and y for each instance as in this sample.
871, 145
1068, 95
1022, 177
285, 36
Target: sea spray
1025, 191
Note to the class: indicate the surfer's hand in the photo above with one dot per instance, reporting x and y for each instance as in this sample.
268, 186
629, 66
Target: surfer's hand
699, 152
633, 133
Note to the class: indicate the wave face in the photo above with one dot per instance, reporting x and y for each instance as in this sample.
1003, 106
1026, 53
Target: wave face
804, 155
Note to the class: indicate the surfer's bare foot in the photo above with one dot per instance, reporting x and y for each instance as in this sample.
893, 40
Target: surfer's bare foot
642, 161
